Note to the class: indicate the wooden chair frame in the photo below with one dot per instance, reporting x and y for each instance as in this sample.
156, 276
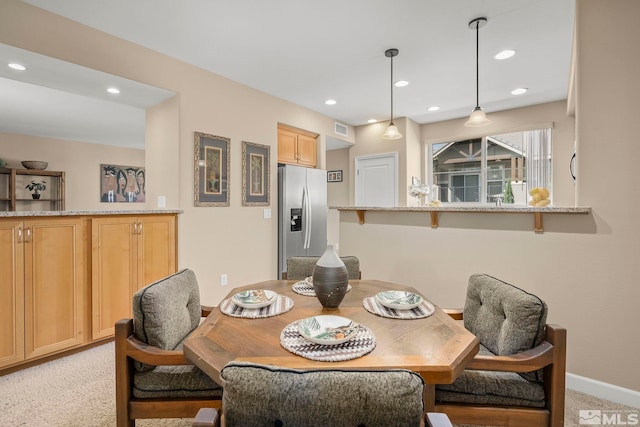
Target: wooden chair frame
550, 356
130, 408
208, 417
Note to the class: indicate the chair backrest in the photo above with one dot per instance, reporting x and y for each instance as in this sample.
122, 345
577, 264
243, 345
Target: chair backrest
506, 319
166, 311
269, 395
301, 267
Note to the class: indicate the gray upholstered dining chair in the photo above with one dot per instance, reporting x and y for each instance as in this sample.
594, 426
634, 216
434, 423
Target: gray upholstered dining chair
301, 267
518, 377
260, 395
153, 377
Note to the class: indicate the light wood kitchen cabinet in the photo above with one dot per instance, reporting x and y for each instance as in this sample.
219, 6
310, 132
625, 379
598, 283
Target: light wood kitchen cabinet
11, 294
297, 147
42, 286
128, 253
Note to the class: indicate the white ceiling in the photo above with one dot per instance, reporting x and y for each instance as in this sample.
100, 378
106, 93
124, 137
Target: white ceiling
308, 51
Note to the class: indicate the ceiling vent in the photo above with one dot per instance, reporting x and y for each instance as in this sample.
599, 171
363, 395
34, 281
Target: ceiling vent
341, 129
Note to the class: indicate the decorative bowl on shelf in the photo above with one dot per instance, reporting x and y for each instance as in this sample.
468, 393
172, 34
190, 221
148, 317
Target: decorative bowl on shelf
35, 164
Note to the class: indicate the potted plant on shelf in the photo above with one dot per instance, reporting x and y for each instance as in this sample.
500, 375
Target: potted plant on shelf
36, 187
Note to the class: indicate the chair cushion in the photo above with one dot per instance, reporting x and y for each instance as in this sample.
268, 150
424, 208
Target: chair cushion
261, 395
492, 388
506, 319
174, 382
300, 267
166, 311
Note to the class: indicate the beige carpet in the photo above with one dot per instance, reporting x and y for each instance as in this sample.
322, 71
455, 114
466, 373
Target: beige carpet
79, 390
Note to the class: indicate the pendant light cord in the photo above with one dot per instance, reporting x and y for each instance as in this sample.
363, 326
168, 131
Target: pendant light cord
391, 122
477, 66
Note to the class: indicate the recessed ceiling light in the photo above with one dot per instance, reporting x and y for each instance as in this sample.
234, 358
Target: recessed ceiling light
113, 90
519, 91
507, 53
330, 102
433, 108
17, 66
401, 83
372, 121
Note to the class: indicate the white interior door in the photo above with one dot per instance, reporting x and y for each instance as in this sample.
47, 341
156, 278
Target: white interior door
377, 180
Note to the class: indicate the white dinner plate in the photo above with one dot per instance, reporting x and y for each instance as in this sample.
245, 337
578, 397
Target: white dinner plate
399, 300
328, 330
256, 298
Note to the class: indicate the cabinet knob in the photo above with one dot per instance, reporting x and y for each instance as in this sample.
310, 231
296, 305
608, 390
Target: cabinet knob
19, 234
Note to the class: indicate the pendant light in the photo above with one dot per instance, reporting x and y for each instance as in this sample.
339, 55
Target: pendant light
392, 131
477, 117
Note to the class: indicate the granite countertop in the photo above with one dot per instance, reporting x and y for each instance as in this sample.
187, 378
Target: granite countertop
17, 214
478, 208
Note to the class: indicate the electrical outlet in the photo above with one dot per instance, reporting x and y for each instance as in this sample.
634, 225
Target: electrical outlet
223, 280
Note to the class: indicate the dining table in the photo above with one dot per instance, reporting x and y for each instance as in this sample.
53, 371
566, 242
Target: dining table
432, 344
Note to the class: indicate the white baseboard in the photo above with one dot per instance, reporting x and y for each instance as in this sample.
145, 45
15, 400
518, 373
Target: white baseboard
603, 390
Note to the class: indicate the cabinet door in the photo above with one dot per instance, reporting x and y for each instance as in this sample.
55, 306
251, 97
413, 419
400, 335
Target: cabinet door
287, 151
54, 285
307, 151
156, 248
11, 293
113, 272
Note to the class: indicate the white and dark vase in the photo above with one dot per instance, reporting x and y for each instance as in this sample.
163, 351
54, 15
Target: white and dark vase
330, 279
35, 195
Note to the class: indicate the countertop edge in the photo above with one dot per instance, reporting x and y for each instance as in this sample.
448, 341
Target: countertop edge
485, 209
21, 214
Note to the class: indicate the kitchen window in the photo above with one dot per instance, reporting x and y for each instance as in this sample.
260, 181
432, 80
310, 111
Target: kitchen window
491, 169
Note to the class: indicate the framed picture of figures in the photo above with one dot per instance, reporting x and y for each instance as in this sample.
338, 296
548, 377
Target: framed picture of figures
122, 184
211, 160
255, 174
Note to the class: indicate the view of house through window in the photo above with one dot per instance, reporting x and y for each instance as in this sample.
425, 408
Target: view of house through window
492, 169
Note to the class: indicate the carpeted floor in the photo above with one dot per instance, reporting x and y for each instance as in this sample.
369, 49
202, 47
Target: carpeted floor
79, 390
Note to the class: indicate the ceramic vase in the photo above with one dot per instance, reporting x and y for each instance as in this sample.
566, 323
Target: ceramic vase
330, 279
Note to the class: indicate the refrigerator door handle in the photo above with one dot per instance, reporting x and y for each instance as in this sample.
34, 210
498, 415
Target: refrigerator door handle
309, 219
305, 216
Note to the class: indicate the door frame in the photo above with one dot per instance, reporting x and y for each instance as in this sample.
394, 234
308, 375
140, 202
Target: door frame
393, 156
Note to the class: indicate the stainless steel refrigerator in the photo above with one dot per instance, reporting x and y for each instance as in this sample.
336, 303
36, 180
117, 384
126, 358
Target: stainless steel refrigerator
302, 213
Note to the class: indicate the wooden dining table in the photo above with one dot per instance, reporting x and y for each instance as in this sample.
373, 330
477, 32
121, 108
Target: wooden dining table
437, 347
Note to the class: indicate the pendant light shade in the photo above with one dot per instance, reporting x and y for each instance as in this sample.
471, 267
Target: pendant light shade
392, 131
477, 117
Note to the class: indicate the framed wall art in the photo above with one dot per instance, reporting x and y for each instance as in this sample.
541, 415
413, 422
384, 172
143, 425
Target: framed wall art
255, 174
211, 174
122, 184
334, 176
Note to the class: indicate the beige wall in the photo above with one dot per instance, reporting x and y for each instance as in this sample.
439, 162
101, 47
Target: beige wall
80, 161
337, 192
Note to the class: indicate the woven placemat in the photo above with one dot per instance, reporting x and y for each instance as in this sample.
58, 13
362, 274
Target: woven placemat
425, 309
282, 305
363, 343
305, 288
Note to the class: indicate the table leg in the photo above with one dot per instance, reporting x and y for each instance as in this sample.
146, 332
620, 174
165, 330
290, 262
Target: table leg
429, 397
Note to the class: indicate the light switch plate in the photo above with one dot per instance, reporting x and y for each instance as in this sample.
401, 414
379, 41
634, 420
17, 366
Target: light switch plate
266, 213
